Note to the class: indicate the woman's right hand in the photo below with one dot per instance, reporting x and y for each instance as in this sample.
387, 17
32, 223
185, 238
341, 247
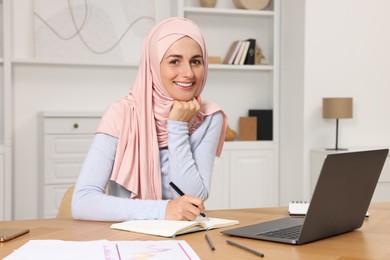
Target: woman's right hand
184, 110
184, 208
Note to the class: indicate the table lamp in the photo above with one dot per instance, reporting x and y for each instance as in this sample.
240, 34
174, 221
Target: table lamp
335, 108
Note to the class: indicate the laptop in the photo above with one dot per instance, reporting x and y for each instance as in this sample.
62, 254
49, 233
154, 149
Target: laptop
339, 203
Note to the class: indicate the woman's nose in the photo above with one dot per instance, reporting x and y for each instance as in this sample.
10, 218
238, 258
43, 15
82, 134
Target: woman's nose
187, 70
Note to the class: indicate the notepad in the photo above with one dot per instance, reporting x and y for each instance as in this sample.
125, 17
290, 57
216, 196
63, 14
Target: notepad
299, 208
172, 228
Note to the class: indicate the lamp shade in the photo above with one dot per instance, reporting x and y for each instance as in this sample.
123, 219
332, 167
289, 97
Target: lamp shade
337, 108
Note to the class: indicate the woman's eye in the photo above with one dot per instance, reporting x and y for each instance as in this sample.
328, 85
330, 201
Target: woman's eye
174, 62
197, 62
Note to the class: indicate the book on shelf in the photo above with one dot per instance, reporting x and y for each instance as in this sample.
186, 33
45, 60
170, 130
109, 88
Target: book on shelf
299, 208
264, 123
243, 47
244, 53
232, 52
250, 57
241, 52
172, 228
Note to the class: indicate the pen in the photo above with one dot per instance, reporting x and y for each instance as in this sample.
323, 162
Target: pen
210, 242
182, 194
245, 248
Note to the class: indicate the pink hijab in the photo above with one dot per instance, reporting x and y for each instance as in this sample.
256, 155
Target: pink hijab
139, 121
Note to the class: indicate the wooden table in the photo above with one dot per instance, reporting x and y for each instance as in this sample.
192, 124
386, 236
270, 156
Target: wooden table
372, 241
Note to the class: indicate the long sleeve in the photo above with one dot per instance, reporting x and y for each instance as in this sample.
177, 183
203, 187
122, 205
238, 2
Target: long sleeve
191, 158
89, 199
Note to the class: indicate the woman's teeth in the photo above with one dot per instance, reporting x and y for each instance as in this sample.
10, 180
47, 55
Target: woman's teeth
184, 85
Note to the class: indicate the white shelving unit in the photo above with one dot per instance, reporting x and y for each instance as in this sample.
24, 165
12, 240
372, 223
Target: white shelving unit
244, 165
248, 86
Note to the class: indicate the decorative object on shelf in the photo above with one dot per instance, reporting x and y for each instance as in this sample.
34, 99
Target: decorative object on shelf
251, 4
231, 135
335, 108
208, 3
248, 128
214, 59
258, 55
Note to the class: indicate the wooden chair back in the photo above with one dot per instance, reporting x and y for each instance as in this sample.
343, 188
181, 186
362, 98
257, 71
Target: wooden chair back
65, 209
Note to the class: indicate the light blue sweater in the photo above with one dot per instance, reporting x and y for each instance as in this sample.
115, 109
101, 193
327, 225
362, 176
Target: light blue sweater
188, 162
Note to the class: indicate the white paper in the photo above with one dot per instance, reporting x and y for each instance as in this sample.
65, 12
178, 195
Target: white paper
104, 250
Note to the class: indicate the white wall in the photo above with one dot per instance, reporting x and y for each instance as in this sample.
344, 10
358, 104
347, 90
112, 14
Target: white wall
291, 100
346, 54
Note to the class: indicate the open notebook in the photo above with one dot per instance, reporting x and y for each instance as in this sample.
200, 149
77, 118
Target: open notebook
172, 228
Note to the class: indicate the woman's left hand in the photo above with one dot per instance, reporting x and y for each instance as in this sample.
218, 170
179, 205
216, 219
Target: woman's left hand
184, 110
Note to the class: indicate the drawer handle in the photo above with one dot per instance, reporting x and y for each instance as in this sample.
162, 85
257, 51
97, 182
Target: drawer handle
76, 125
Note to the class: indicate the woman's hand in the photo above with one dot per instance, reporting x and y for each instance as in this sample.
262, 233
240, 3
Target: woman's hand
184, 110
184, 208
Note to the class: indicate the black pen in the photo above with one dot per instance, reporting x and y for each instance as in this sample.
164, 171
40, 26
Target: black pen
245, 248
182, 194
210, 242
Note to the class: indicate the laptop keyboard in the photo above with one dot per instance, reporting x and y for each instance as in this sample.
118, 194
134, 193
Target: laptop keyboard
287, 233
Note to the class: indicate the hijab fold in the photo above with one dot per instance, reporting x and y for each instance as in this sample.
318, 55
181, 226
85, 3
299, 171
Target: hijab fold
139, 121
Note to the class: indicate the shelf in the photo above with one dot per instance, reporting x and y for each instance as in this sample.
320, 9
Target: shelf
240, 67
61, 62
228, 11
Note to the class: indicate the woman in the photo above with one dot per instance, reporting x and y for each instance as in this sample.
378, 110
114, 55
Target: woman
160, 133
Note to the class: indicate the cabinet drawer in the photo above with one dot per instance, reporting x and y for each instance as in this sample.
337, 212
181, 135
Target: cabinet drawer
66, 146
52, 199
71, 125
62, 171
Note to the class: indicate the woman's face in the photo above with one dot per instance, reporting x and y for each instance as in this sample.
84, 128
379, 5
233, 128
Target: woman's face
182, 69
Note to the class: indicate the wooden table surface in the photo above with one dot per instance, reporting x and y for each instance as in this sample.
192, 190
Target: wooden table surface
371, 241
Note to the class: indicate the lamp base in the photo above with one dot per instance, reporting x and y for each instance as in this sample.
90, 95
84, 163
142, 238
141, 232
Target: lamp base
336, 149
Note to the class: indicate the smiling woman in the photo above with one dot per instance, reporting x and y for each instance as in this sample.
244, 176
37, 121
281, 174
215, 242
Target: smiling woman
161, 132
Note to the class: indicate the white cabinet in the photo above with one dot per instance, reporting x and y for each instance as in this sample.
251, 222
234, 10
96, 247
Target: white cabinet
64, 141
244, 177
382, 191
